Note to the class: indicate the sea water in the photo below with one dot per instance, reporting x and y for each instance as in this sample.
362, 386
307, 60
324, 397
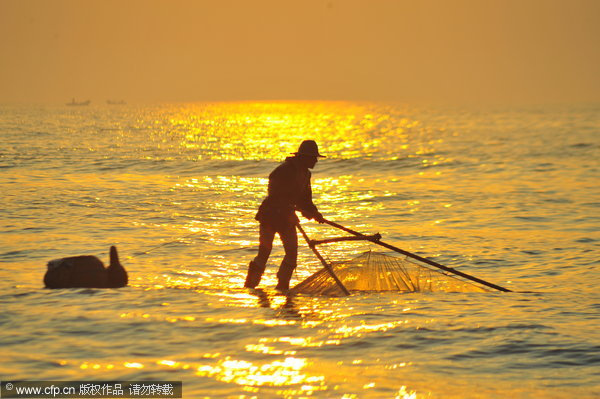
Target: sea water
510, 195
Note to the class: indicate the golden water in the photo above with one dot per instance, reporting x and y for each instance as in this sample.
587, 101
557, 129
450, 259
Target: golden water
508, 195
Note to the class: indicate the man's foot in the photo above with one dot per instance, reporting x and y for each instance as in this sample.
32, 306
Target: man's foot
255, 273
284, 288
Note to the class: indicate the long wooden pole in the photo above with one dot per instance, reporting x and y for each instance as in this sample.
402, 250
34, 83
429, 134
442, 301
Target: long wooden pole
323, 261
417, 257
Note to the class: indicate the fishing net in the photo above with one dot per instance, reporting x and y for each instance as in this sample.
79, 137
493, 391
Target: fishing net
375, 271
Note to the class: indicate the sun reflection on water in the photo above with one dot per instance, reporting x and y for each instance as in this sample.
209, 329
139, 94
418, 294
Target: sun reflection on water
288, 371
193, 176
258, 131
276, 360
238, 144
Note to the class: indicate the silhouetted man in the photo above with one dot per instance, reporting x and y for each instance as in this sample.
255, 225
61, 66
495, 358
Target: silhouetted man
289, 190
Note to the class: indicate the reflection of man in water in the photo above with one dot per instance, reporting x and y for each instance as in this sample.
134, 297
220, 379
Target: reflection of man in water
289, 190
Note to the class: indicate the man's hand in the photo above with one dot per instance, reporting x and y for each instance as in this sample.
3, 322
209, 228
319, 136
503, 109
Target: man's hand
319, 218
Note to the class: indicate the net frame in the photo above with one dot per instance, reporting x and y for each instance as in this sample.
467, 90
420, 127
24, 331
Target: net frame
373, 271
411, 283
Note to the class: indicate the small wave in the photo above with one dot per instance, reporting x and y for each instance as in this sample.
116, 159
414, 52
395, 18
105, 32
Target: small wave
532, 218
535, 355
362, 166
12, 255
586, 240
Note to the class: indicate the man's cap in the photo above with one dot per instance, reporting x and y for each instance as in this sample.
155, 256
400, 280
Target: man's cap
310, 148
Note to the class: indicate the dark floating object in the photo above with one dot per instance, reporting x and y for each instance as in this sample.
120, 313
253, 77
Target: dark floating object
86, 272
78, 103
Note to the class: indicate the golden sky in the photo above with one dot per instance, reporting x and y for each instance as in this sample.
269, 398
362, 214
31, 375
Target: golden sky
524, 51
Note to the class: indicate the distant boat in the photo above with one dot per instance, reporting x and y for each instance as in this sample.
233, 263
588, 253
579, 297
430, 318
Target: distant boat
79, 103
113, 102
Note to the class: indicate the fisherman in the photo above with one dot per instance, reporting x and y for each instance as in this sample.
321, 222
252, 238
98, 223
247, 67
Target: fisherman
289, 190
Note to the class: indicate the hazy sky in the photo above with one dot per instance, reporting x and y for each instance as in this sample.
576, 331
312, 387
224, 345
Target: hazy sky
526, 51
